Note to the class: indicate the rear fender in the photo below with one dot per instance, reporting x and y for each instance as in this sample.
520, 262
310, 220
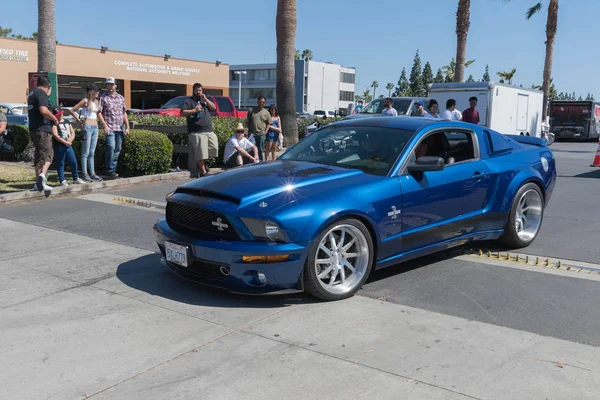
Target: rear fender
523, 177
531, 140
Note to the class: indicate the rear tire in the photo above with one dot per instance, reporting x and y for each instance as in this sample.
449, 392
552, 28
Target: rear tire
525, 218
340, 260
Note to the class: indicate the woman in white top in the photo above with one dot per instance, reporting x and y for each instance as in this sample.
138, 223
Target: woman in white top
433, 110
89, 122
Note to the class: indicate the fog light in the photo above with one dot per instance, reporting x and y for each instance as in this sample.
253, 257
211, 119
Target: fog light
265, 259
262, 278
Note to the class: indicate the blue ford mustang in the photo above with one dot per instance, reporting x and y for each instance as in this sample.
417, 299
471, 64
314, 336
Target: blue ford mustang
354, 196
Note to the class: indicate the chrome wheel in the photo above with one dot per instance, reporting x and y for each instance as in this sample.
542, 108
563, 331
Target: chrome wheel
529, 215
342, 259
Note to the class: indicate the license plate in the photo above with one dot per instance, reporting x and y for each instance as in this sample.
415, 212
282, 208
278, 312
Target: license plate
176, 254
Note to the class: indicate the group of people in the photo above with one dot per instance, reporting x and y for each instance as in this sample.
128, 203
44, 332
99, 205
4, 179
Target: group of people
470, 115
252, 144
53, 136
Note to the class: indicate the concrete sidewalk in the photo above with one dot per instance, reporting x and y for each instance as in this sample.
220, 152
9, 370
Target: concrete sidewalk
85, 318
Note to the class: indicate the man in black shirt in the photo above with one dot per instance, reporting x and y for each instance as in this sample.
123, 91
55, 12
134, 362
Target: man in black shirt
41, 121
202, 143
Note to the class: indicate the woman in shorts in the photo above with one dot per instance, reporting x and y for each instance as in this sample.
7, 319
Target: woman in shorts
272, 137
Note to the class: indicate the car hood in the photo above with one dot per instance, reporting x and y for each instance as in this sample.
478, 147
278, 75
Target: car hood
263, 188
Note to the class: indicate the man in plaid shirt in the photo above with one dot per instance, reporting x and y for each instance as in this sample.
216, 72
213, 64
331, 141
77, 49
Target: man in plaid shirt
113, 116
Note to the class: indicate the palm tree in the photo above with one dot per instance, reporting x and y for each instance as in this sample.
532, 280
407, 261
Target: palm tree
297, 55
307, 55
47, 37
507, 75
375, 85
551, 26
285, 27
463, 17
390, 86
450, 70
367, 96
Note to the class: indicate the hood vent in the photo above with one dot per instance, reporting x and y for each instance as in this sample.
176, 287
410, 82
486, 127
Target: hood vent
207, 193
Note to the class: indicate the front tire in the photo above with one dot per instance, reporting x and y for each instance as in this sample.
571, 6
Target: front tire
526, 215
340, 260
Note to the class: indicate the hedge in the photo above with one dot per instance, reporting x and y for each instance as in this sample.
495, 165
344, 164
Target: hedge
143, 152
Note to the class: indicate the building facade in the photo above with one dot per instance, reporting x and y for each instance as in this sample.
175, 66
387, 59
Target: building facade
319, 85
145, 81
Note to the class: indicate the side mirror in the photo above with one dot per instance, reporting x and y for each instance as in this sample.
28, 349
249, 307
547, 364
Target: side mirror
426, 163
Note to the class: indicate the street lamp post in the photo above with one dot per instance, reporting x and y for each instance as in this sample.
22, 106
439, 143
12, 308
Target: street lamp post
239, 73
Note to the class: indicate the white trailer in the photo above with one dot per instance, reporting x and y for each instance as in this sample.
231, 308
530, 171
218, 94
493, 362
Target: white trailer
504, 108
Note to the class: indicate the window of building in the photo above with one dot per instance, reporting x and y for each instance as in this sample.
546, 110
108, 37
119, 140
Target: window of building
261, 75
346, 95
347, 77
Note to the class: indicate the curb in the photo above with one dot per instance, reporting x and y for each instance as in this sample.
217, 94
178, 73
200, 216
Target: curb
59, 192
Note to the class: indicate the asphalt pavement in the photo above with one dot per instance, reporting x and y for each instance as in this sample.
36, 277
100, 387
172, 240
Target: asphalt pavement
531, 300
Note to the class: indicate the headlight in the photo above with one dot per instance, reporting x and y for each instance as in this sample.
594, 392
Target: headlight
264, 230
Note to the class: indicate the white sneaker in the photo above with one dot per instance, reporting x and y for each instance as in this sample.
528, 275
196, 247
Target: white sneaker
78, 181
62, 183
47, 189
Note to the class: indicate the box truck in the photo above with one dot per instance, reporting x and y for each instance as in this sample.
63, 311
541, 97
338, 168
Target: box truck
571, 119
504, 108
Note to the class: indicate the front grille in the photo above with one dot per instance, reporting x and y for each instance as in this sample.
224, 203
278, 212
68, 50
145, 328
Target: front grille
199, 222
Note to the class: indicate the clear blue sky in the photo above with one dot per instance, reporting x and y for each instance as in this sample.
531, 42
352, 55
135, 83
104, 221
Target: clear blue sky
378, 38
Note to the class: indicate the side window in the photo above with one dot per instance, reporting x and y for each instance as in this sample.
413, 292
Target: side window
460, 146
224, 105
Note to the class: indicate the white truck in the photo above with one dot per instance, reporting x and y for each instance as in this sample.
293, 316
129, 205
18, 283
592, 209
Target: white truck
504, 108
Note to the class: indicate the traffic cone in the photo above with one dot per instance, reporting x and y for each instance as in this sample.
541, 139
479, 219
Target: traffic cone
596, 162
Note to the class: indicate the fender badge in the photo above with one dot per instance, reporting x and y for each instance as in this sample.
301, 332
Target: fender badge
263, 204
394, 213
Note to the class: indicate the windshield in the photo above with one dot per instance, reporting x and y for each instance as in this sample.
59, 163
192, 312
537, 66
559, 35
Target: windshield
373, 150
176, 102
18, 110
570, 114
319, 112
377, 106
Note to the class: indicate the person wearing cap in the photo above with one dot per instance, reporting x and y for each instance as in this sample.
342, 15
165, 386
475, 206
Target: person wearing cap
86, 113
388, 109
41, 121
63, 136
239, 150
112, 113
420, 109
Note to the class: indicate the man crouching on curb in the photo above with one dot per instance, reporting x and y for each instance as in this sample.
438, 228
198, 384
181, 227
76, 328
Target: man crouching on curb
239, 150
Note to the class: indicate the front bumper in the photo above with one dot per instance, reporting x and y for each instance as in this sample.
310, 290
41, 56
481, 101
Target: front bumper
219, 263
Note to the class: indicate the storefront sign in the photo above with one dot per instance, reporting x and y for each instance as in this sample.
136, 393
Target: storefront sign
14, 55
156, 68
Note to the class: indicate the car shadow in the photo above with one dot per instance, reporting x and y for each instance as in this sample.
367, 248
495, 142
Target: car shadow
148, 275
590, 174
407, 266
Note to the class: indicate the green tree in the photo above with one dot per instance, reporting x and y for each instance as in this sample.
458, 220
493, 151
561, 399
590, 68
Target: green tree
389, 87
471, 79
297, 55
366, 94
403, 85
416, 77
375, 85
507, 75
307, 55
428, 77
486, 74
463, 17
285, 32
551, 27
439, 77
450, 68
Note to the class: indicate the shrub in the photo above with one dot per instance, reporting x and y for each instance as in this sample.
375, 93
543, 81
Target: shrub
21, 138
145, 153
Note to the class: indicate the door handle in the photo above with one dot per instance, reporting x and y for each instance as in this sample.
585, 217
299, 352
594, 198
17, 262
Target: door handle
478, 176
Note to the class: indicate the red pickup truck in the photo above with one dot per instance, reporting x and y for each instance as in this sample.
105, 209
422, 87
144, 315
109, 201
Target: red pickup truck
224, 104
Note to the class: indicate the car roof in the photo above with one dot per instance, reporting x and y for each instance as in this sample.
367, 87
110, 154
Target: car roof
12, 105
398, 122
